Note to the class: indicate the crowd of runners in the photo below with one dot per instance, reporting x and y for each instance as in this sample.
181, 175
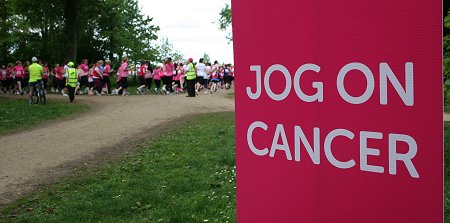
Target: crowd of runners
99, 78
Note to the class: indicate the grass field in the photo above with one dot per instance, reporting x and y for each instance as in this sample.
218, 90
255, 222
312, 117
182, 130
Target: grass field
187, 175
17, 114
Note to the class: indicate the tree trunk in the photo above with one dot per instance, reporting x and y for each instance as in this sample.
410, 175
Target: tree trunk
71, 15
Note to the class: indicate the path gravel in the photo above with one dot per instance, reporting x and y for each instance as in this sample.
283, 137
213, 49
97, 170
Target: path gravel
36, 156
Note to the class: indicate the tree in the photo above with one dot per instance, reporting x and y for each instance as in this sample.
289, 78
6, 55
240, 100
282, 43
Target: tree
206, 58
75, 29
225, 21
166, 49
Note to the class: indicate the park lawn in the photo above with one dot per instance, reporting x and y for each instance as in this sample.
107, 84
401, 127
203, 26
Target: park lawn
17, 114
186, 175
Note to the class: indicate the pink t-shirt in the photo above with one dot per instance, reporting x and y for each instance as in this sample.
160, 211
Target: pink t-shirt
3, 74
85, 69
148, 74
168, 69
45, 73
18, 71
106, 71
157, 74
123, 70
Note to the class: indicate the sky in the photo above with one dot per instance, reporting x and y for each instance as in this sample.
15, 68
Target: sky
191, 27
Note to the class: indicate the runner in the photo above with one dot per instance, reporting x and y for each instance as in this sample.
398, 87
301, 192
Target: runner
107, 71
3, 79
123, 77
26, 75
18, 77
215, 76
167, 78
36, 72
180, 74
45, 75
201, 73
207, 77
141, 77
157, 77
84, 76
10, 77
97, 77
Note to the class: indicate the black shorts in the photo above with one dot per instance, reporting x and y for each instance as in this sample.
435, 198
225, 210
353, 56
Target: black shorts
199, 80
148, 81
141, 80
32, 84
19, 79
84, 81
124, 82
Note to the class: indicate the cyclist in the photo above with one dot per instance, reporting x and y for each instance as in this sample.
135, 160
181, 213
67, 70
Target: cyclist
36, 72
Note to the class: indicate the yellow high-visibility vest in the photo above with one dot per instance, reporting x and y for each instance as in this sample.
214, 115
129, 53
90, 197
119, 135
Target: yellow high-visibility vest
72, 79
191, 73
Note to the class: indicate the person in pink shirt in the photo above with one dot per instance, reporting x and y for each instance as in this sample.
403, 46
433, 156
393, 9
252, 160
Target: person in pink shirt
10, 77
83, 76
176, 78
168, 69
26, 75
215, 79
123, 77
141, 77
18, 77
3, 79
107, 71
97, 76
45, 75
157, 77
148, 77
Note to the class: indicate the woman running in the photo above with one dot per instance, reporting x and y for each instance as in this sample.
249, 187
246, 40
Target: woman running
123, 77
10, 77
157, 77
215, 79
3, 79
148, 77
167, 78
107, 71
18, 77
180, 74
45, 74
97, 78
141, 77
84, 75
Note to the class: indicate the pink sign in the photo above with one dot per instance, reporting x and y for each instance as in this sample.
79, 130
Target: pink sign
339, 111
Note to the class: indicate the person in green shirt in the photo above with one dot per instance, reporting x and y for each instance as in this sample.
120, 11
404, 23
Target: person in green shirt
36, 72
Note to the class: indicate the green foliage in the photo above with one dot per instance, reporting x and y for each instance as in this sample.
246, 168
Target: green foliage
105, 29
225, 20
446, 61
186, 175
206, 58
166, 49
18, 114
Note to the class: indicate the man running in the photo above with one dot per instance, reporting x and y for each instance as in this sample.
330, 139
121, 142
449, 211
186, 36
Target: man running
36, 72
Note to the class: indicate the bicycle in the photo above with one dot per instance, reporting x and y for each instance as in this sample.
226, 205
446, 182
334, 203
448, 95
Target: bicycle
39, 94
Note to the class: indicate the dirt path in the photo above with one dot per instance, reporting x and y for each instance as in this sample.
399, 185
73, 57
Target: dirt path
36, 156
